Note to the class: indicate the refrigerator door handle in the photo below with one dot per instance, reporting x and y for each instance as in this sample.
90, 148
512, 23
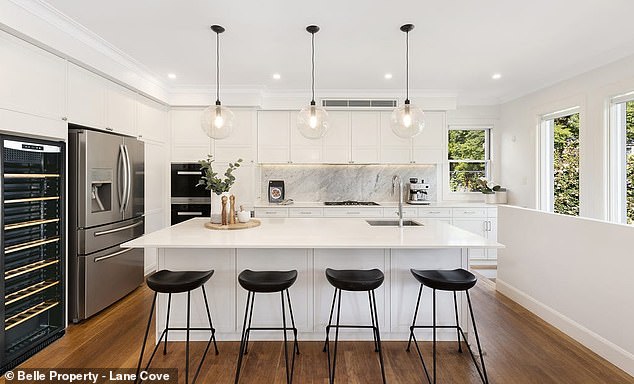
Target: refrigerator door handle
129, 173
109, 231
118, 253
122, 178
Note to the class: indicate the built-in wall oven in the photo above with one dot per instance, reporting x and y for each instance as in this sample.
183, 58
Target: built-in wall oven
188, 200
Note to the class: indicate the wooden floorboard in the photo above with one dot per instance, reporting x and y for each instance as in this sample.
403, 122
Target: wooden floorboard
519, 348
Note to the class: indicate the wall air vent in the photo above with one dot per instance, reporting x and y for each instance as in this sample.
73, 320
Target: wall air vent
358, 103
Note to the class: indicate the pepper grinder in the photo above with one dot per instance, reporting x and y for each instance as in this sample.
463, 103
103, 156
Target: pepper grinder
224, 210
232, 209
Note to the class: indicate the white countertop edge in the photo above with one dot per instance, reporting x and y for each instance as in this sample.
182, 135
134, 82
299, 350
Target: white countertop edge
382, 204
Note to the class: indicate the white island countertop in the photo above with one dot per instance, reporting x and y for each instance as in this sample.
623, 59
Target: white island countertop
313, 233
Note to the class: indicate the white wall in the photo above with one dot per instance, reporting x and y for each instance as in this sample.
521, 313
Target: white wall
518, 129
575, 273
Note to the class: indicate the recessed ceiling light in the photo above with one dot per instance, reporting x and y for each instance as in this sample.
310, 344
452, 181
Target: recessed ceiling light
277, 76
388, 76
171, 76
496, 76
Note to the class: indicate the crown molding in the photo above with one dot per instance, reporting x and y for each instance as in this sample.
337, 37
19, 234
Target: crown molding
47, 27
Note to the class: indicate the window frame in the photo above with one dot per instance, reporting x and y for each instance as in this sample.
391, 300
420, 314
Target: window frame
488, 129
545, 156
617, 183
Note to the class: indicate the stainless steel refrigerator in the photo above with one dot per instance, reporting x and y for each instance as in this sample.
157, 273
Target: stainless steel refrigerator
105, 210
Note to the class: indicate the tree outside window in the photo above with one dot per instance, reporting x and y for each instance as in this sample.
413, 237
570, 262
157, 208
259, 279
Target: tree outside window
468, 154
629, 161
566, 165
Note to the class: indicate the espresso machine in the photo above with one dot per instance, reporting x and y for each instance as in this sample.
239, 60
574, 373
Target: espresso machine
418, 192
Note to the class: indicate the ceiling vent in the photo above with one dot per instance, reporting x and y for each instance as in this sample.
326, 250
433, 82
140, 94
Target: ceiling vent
358, 103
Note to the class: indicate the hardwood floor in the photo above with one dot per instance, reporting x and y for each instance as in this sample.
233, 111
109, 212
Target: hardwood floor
519, 348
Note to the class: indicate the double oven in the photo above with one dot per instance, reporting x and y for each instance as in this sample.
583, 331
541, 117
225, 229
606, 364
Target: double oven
188, 200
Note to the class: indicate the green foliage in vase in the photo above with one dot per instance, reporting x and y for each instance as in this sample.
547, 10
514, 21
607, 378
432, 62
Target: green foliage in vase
211, 181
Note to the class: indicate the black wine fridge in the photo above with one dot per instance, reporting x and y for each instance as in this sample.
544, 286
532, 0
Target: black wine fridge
32, 247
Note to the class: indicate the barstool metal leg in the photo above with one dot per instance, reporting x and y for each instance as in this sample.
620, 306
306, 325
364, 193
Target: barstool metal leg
331, 372
434, 327
376, 345
242, 339
455, 306
147, 331
332, 310
484, 377
187, 342
167, 322
288, 374
246, 344
378, 337
213, 330
290, 308
411, 329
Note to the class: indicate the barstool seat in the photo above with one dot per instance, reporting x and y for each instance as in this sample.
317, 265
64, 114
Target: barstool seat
166, 281
266, 281
446, 280
355, 279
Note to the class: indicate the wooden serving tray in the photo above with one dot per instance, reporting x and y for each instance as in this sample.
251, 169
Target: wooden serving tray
249, 224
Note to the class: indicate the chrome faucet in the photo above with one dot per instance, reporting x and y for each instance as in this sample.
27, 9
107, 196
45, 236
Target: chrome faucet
396, 181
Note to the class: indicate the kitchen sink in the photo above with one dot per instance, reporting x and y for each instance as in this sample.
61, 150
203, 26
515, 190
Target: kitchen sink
393, 223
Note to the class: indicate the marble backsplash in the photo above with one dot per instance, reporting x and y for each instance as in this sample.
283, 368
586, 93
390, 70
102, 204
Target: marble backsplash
344, 182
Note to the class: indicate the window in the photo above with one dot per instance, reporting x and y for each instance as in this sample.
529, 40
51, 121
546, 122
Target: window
469, 157
622, 159
559, 162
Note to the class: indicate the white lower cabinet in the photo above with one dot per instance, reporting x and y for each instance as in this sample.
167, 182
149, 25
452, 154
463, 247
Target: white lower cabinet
305, 212
482, 222
353, 212
404, 288
267, 308
355, 306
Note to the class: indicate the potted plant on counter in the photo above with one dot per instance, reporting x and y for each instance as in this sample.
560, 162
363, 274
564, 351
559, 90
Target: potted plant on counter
217, 185
493, 192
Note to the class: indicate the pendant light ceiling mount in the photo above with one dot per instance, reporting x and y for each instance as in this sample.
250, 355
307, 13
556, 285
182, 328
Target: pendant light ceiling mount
407, 120
312, 121
217, 120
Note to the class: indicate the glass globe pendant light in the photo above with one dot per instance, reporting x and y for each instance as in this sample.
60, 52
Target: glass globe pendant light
406, 121
312, 121
217, 120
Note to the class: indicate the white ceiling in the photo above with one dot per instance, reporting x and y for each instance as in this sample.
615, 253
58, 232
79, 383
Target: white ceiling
455, 48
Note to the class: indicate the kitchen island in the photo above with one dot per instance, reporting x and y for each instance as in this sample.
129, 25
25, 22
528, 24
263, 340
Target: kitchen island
310, 246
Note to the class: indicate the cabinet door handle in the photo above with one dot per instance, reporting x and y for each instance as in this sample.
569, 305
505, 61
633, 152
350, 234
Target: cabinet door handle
490, 225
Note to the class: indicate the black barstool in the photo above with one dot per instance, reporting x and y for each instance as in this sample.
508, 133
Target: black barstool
355, 281
454, 281
267, 282
178, 282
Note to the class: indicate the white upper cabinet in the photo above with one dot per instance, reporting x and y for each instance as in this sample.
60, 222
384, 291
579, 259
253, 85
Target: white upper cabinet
274, 136
86, 98
152, 120
428, 147
241, 143
366, 137
304, 150
99, 103
31, 80
189, 142
394, 149
337, 139
120, 110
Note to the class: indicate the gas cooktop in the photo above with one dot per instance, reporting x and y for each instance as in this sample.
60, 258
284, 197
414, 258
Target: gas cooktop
350, 202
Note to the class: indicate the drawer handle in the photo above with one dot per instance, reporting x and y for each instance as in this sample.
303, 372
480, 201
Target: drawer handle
109, 231
189, 213
434, 212
469, 212
353, 213
188, 173
110, 256
271, 212
305, 213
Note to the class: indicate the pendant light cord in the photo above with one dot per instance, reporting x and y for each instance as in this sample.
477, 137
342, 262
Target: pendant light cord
217, 68
312, 85
407, 66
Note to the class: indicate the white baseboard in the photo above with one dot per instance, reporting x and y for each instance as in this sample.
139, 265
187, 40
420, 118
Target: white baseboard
604, 348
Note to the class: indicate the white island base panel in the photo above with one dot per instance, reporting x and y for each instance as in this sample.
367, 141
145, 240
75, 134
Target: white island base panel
311, 295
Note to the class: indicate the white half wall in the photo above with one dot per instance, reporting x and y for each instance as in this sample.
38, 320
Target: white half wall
574, 273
